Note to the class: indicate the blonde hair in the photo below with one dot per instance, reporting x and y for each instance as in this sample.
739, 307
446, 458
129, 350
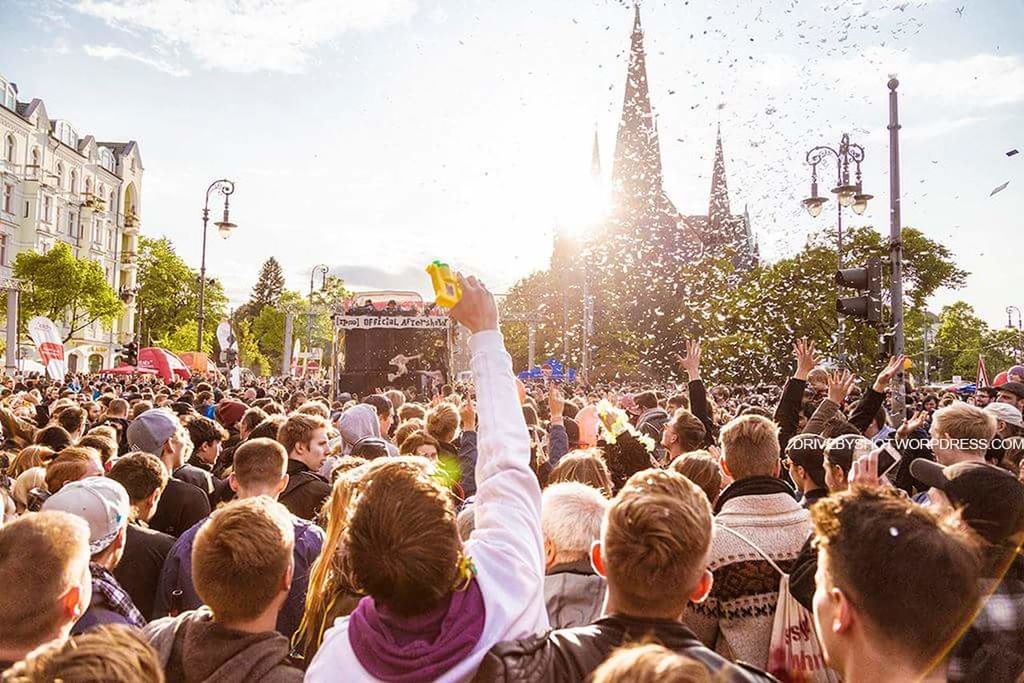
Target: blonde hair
650, 663
29, 457
702, 469
964, 422
656, 538
329, 576
110, 653
32, 478
240, 557
750, 444
443, 422
407, 428
585, 466
42, 555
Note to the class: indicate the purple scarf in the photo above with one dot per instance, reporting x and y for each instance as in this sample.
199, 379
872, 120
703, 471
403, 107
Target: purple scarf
420, 648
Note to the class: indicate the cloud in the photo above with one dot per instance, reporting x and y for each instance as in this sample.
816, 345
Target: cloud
248, 35
942, 127
371, 277
108, 52
983, 80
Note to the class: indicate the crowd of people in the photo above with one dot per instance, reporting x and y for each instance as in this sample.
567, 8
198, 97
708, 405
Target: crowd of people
185, 531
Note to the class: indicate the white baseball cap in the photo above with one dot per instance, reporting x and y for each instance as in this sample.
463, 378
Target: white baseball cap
103, 503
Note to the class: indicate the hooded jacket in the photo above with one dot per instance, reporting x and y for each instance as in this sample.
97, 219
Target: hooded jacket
358, 422
195, 649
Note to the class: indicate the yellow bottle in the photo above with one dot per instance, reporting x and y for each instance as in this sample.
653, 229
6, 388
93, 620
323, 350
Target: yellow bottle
446, 286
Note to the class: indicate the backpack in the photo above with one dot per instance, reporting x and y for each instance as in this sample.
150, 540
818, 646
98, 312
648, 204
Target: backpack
794, 652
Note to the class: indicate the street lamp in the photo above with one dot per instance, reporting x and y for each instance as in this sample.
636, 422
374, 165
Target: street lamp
848, 195
322, 269
1020, 329
224, 228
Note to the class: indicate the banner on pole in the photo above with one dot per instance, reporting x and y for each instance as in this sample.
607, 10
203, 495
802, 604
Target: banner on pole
368, 322
48, 343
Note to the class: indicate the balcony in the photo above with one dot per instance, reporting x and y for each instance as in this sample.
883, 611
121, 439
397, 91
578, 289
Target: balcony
129, 260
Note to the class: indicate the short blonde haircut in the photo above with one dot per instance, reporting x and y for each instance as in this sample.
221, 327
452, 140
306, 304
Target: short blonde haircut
656, 539
966, 423
750, 445
42, 555
240, 557
113, 653
260, 462
407, 428
650, 663
443, 422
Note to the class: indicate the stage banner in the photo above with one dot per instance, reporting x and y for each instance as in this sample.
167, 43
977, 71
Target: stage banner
394, 322
51, 349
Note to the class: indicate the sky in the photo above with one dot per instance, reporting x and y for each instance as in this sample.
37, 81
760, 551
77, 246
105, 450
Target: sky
377, 136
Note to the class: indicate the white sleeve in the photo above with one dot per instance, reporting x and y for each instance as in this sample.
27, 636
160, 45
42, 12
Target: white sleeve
507, 503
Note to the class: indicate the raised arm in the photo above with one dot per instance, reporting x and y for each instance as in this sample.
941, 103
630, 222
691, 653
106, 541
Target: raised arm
690, 363
867, 407
787, 413
507, 506
557, 436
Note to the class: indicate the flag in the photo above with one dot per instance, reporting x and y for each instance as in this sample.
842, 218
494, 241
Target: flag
982, 373
48, 343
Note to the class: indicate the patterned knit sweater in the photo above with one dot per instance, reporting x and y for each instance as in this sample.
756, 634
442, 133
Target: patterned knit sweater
736, 618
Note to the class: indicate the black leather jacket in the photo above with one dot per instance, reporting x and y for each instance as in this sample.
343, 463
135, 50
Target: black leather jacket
572, 654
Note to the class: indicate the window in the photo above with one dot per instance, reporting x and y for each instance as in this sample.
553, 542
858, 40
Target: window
60, 218
74, 181
88, 186
3, 249
112, 207
35, 162
9, 149
60, 176
9, 199
47, 208
72, 225
106, 159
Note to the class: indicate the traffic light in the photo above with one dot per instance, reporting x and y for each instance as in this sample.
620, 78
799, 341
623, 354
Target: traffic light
868, 280
131, 353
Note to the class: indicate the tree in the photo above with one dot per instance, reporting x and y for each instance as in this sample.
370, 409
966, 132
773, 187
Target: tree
66, 288
268, 288
648, 302
168, 297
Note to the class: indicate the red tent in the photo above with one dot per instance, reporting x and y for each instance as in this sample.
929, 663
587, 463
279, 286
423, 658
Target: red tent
164, 363
129, 370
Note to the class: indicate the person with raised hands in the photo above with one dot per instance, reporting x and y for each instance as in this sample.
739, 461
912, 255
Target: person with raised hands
690, 363
434, 606
787, 413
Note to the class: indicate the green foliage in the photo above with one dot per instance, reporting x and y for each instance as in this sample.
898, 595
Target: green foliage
249, 354
66, 288
183, 339
268, 288
168, 298
648, 303
963, 336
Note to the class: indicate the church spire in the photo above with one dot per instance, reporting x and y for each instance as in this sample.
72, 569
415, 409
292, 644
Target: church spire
718, 210
636, 166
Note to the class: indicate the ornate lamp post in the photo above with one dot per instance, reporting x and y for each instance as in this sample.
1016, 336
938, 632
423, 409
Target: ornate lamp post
224, 227
848, 195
